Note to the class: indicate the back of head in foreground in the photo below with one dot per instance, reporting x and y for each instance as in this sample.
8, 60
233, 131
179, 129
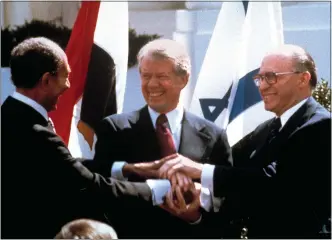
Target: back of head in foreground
86, 229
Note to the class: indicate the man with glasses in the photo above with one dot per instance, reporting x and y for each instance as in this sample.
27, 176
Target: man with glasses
280, 184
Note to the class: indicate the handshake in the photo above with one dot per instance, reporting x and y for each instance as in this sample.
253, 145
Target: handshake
183, 200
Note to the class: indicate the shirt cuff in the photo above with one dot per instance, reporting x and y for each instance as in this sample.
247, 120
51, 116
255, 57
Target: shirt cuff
116, 171
207, 187
159, 189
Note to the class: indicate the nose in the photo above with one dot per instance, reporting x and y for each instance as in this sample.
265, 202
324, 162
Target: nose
153, 82
263, 85
67, 84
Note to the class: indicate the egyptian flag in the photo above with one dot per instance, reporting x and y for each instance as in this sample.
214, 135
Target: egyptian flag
98, 54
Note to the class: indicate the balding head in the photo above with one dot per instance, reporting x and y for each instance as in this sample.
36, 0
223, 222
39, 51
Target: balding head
301, 59
286, 77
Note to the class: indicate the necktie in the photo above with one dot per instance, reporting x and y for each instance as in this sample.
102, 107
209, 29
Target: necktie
274, 130
50, 125
164, 136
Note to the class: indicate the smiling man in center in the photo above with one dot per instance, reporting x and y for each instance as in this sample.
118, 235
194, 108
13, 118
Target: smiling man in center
161, 128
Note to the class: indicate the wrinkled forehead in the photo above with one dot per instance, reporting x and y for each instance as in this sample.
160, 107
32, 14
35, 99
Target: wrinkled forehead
277, 62
152, 63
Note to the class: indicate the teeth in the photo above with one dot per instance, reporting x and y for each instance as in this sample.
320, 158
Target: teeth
155, 94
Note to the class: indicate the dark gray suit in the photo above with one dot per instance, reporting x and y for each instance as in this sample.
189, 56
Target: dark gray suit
131, 137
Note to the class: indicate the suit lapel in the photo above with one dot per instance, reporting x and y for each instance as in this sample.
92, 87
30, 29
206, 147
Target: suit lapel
301, 116
146, 135
194, 139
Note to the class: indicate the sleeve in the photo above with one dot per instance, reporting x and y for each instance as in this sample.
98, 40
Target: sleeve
75, 176
207, 198
116, 171
220, 155
106, 147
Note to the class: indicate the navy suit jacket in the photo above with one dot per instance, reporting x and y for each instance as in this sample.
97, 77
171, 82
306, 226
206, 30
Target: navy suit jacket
283, 192
131, 137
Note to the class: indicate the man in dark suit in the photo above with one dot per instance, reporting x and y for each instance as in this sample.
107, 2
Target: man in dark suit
133, 137
280, 185
43, 186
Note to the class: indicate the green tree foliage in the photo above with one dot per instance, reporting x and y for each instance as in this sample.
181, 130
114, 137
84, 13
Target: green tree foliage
322, 94
10, 37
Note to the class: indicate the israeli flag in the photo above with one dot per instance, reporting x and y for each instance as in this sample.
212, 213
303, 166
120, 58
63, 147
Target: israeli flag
262, 31
218, 71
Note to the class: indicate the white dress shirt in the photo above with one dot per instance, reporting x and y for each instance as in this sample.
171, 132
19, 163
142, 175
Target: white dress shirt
208, 169
159, 187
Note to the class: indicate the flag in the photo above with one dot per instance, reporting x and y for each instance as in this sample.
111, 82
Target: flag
98, 54
262, 31
215, 80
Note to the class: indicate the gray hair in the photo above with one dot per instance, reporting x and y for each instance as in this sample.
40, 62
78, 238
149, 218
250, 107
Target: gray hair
167, 49
302, 60
86, 229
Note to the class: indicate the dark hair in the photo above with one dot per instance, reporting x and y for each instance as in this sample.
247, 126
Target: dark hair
86, 229
32, 58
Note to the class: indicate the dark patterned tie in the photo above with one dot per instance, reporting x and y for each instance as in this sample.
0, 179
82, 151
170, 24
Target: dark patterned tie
272, 147
164, 135
274, 130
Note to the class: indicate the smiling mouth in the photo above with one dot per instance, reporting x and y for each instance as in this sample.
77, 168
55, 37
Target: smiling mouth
267, 96
155, 94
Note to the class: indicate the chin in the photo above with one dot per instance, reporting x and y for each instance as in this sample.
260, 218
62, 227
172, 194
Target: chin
158, 108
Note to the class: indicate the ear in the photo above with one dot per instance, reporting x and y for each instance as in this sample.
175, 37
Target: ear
305, 79
45, 81
184, 80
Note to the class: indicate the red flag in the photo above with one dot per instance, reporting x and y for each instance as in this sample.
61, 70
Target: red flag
78, 52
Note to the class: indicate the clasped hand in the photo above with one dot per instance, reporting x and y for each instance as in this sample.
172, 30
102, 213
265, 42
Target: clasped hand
183, 198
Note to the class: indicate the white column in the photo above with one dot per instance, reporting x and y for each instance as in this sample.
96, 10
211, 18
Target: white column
194, 27
69, 13
16, 13
2, 6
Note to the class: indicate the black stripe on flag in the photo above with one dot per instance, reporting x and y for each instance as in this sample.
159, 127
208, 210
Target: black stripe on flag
99, 97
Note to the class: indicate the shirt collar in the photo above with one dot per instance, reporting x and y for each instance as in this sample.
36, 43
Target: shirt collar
174, 117
287, 115
39, 108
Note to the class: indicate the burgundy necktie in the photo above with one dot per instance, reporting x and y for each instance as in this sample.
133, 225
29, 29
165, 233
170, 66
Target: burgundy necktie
164, 136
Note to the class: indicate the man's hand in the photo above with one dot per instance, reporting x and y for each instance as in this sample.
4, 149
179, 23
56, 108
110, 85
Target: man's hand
175, 204
144, 170
181, 180
178, 163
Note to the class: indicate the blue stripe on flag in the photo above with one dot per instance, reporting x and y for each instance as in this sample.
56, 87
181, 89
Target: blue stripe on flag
247, 95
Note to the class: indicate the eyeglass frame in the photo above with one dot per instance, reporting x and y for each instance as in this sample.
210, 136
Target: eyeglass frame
259, 77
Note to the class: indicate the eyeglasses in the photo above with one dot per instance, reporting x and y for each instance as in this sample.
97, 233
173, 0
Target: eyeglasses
270, 77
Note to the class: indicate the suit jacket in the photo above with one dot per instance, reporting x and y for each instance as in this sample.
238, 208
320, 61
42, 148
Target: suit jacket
285, 191
131, 137
41, 184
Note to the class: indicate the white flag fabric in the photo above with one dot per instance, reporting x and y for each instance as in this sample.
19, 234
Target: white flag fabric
111, 41
262, 31
218, 72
